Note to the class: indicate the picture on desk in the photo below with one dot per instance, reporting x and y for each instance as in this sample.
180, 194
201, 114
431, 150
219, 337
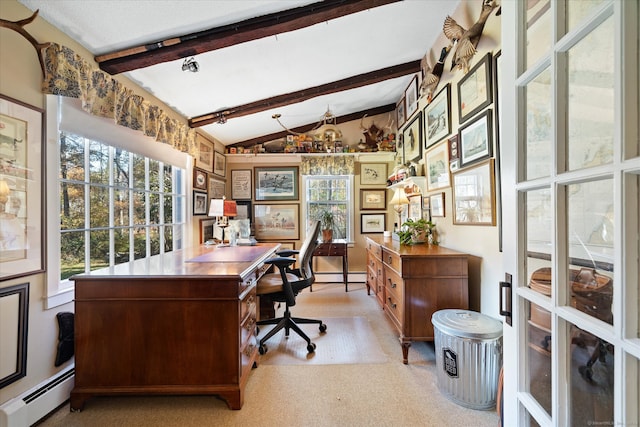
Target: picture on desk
277, 222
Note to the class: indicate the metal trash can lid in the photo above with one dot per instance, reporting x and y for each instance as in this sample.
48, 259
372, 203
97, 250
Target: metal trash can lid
466, 324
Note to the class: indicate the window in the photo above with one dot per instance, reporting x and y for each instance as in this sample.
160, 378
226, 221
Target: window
115, 206
331, 192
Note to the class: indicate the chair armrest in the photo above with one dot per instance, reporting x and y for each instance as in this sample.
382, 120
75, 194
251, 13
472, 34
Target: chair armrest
287, 252
280, 262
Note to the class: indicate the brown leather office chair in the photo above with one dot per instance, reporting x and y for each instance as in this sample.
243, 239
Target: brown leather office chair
285, 285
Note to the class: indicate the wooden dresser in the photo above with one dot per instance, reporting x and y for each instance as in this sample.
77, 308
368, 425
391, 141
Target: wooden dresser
413, 282
178, 323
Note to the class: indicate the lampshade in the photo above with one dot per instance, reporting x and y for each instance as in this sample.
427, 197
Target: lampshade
216, 207
399, 198
230, 208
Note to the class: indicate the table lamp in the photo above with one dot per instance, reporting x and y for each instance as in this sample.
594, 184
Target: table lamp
222, 209
399, 199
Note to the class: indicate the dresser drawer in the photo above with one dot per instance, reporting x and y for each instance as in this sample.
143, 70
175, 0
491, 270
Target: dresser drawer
248, 305
394, 307
374, 249
393, 260
393, 282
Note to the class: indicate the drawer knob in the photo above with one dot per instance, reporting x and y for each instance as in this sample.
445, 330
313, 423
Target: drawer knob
391, 304
390, 259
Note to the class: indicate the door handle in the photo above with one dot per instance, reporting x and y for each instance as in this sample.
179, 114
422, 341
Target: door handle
506, 298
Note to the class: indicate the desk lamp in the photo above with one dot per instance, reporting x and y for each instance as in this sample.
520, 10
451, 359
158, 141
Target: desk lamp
399, 199
222, 209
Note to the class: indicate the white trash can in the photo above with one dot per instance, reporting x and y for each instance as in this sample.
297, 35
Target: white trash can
468, 348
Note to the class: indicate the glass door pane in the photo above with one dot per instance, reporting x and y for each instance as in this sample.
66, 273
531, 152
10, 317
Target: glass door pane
539, 126
539, 30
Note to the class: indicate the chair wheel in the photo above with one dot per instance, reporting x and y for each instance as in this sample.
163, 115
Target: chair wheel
311, 347
262, 349
323, 327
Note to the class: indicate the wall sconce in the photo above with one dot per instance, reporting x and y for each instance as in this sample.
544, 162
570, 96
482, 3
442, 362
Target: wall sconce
190, 65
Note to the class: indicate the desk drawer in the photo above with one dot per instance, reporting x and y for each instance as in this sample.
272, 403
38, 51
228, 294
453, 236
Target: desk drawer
374, 248
248, 305
330, 249
393, 260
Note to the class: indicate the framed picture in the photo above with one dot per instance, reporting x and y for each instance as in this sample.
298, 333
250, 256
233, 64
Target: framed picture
22, 171
14, 304
437, 117
454, 153
474, 89
199, 203
436, 201
401, 112
412, 139
373, 199
276, 183
474, 195
244, 210
475, 139
373, 174
372, 223
206, 230
426, 208
437, 167
277, 222
241, 184
415, 206
200, 179
204, 158
411, 96
216, 188
219, 164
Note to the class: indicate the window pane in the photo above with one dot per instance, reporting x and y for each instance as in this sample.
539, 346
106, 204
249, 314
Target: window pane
71, 254
121, 168
121, 208
539, 229
590, 226
539, 30
577, 10
139, 212
121, 245
329, 193
168, 209
539, 126
99, 249
590, 379
98, 163
168, 239
168, 179
99, 206
154, 238
139, 174
154, 175
71, 157
590, 111
154, 208
540, 354
179, 209
71, 206
139, 243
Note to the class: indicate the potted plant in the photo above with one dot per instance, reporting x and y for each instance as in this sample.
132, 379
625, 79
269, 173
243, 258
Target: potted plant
414, 231
326, 225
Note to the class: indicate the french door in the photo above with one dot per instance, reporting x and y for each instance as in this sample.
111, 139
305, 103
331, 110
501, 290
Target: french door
569, 126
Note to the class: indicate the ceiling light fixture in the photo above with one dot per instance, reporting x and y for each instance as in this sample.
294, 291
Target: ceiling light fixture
190, 65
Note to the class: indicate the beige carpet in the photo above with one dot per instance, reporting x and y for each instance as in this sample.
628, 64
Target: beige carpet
347, 340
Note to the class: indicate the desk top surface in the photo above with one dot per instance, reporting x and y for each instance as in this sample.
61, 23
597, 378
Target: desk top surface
419, 250
211, 261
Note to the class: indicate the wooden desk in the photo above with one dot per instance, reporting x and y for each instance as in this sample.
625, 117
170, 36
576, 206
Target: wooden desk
336, 248
413, 282
178, 323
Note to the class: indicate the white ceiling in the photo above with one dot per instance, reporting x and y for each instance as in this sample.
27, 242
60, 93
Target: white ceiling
344, 47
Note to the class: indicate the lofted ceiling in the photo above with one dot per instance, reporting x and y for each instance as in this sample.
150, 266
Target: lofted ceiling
258, 58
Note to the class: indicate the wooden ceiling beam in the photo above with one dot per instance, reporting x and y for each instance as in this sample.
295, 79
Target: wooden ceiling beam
231, 34
306, 128
305, 94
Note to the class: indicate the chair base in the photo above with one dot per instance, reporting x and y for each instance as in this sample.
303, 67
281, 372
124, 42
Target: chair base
288, 323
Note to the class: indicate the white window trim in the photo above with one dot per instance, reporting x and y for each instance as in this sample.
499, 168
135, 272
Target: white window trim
74, 119
352, 206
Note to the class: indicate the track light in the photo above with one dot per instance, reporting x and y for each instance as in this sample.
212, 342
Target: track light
190, 65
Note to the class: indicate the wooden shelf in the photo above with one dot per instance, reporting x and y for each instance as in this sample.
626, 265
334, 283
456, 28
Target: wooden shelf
279, 158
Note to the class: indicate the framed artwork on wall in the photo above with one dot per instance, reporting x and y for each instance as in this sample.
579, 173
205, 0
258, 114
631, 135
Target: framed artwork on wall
22, 172
372, 223
199, 203
426, 208
474, 195
206, 229
474, 89
244, 210
14, 305
200, 179
204, 158
411, 97
219, 164
436, 201
415, 206
373, 199
412, 139
277, 222
373, 173
216, 188
437, 167
241, 184
437, 117
475, 138
276, 183
401, 112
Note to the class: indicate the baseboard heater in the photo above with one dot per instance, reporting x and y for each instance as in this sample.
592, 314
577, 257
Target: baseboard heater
31, 406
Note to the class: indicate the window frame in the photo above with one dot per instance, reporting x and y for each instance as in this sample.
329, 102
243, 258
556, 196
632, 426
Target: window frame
350, 214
